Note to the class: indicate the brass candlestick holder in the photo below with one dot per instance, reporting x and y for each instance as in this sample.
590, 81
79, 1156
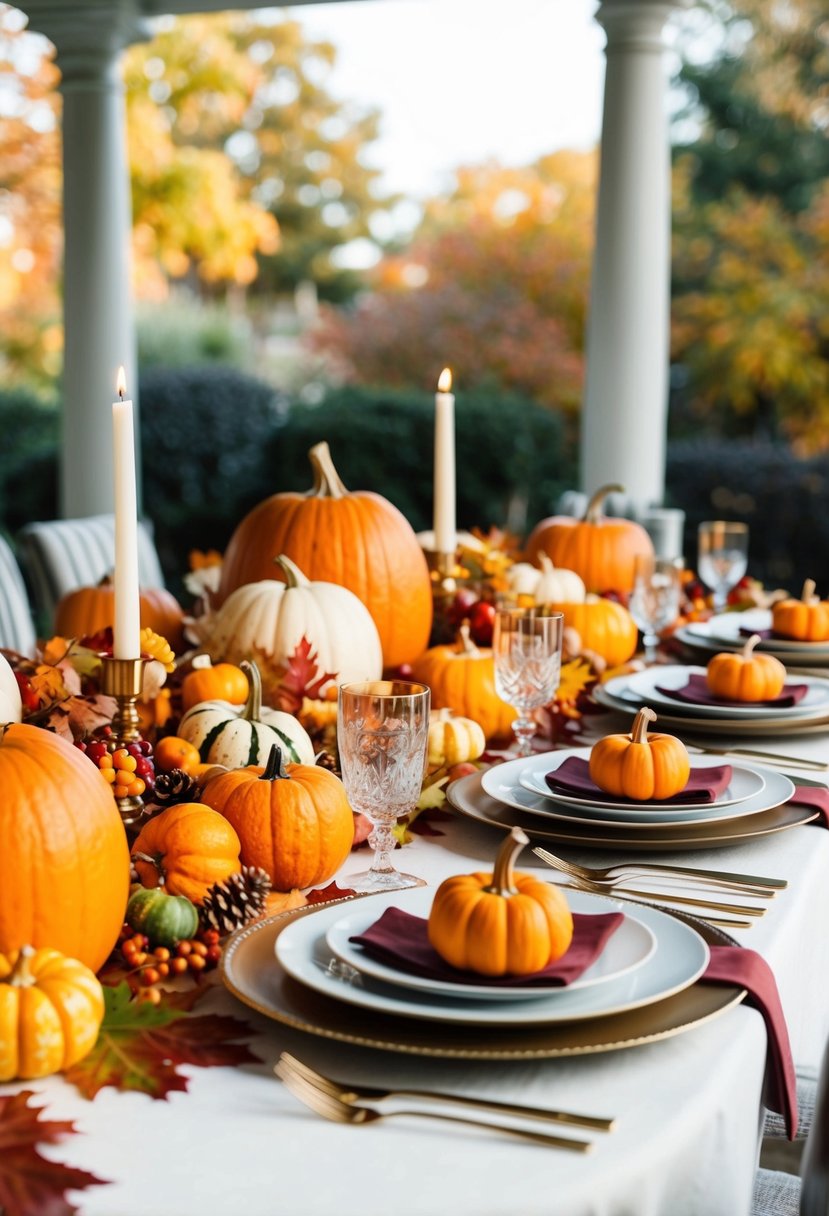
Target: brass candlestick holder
446, 574
123, 679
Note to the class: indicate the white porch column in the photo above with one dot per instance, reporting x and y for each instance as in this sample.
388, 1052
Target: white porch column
98, 312
625, 407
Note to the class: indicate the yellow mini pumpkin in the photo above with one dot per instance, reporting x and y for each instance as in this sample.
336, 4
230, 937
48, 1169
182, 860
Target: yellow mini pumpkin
501, 923
805, 620
453, 739
746, 676
51, 1009
647, 768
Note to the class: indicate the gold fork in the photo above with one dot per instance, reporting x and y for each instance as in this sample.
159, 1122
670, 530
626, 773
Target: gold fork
342, 1112
353, 1094
746, 884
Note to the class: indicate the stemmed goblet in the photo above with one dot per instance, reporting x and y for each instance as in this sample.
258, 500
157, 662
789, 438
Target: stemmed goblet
382, 735
722, 557
527, 649
655, 598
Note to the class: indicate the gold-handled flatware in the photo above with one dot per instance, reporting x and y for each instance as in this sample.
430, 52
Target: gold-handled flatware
747, 753
746, 884
665, 897
354, 1094
330, 1107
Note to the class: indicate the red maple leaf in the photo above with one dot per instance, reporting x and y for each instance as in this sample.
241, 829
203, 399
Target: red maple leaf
31, 1185
302, 678
324, 895
140, 1046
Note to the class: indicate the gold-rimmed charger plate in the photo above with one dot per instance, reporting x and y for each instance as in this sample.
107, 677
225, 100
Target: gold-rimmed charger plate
718, 726
468, 797
251, 973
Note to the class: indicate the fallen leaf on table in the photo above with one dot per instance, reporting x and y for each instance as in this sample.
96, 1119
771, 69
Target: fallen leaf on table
324, 895
140, 1046
30, 1184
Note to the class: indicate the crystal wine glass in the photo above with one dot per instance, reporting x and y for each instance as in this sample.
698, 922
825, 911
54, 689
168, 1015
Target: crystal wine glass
722, 557
655, 598
382, 733
527, 649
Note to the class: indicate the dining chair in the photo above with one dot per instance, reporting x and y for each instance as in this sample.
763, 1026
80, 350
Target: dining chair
778, 1193
17, 630
61, 555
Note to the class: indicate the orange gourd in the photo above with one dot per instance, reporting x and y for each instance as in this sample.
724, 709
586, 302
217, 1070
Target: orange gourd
186, 849
213, 682
88, 610
805, 620
64, 861
293, 820
51, 1009
647, 768
462, 678
501, 923
605, 627
599, 549
357, 539
746, 675
173, 752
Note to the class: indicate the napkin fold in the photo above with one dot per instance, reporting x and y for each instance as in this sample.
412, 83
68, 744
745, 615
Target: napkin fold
747, 969
573, 777
816, 797
401, 940
697, 692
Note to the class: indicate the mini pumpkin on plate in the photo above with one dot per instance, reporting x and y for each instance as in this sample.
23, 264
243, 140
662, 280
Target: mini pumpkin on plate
804, 620
645, 768
502, 923
746, 676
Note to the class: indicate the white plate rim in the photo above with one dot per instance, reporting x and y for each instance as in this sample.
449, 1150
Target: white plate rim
360, 961
690, 636
629, 683
564, 1006
759, 619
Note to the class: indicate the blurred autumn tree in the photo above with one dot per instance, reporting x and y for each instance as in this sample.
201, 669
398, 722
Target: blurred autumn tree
494, 284
751, 220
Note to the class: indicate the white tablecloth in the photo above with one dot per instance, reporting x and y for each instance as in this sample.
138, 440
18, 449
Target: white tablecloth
688, 1109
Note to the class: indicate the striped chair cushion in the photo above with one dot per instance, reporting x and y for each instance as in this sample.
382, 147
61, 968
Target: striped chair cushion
17, 630
65, 554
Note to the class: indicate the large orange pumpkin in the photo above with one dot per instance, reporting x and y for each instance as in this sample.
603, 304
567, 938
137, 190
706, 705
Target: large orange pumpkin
186, 849
462, 677
603, 626
88, 610
293, 820
358, 540
64, 861
599, 549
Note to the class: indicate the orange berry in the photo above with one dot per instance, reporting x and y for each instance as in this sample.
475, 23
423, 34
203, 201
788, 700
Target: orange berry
136, 788
105, 761
162, 954
108, 774
163, 970
178, 965
150, 976
199, 948
197, 962
150, 996
123, 760
184, 948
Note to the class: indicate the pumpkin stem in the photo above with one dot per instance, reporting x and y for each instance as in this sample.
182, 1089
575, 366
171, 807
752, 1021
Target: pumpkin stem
107, 579
253, 706
808, 594
21, 973
327, 483
465, 643
503, 876
594, 507
293, 575
639, 730
750, 644
546, 561
275, 768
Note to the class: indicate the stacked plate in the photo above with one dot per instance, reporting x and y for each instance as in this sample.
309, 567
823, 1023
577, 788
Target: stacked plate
628, 693
730, 630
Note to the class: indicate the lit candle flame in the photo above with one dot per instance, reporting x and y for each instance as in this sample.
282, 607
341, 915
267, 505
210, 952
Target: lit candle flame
121, 383
445, 381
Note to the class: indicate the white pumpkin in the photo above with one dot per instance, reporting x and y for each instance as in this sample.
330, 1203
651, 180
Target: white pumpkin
522, 578
273, 617
234, 737
453, 739
557, 586
11, 707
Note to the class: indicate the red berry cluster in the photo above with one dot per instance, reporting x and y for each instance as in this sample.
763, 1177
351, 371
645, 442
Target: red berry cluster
147, 968
129, 769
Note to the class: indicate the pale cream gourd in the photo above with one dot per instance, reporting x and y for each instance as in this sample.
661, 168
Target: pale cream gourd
452, 739
11, 708
549, 585
273, 617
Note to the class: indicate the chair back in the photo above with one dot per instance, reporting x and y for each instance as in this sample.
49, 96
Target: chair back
17, 630
814, 1169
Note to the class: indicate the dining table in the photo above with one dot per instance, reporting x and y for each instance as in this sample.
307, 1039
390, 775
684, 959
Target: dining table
688, 1104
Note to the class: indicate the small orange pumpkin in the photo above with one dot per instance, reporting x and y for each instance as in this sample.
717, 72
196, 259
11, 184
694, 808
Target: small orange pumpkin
805, 620
462, 678
88, 610
186, 849
605, 627
645, 768
599, 549
501, 923
293, 820
173, 752
745, 676
213, 682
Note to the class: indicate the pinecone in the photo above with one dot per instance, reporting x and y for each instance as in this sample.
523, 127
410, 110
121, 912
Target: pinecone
328, 761
175, 786
237, 900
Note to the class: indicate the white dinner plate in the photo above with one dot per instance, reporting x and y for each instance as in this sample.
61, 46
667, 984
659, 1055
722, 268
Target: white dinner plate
729, 626
503, 782
641, 688
679, 959
745, 783
629, 947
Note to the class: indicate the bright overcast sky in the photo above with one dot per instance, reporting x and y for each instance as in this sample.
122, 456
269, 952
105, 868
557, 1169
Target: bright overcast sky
462, 81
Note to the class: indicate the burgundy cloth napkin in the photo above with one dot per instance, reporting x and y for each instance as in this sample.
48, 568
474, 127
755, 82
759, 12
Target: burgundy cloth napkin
747, 969
816, 797
401, 940
573, 777
765, 635
697, 692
